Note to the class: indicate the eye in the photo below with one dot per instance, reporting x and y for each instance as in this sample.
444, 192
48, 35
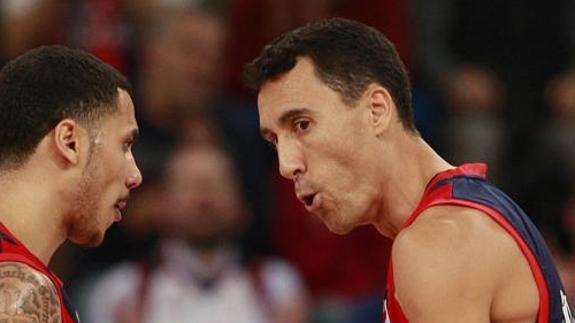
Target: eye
272, 141
128, 144
302, 125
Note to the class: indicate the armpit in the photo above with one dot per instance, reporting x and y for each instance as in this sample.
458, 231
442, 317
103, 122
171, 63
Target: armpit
27, 295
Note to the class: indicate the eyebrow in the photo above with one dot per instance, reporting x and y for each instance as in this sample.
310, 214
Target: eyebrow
284, 119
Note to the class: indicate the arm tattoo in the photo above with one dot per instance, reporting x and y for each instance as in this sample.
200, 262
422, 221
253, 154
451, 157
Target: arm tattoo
27, 296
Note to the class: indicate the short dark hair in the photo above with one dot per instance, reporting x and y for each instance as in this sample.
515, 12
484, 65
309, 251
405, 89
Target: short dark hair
45, 85
347, 55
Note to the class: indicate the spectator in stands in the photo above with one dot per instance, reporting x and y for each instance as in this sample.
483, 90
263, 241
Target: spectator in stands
195, 273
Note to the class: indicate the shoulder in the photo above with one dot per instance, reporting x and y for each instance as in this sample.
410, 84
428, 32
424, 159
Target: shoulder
442, 239
27, 294
443, 230
452, 253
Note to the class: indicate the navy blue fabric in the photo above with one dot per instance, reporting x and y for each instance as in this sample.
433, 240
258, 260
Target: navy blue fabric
70, 307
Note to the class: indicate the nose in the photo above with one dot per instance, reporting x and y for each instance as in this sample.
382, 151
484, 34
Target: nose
291, 161
134, 178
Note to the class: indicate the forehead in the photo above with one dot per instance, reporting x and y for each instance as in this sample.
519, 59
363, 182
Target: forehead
300, 88
288, 86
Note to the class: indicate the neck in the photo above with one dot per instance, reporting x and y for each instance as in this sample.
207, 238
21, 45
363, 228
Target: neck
28, 210
415, 165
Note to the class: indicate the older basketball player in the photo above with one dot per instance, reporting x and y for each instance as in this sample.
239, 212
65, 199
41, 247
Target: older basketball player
334, 99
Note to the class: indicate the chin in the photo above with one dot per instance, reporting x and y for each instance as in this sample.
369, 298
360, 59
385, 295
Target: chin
339, 228
340, 231
336, 222
92, 239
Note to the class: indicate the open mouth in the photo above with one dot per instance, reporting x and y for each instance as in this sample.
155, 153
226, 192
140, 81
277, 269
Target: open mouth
308, 199
119, 207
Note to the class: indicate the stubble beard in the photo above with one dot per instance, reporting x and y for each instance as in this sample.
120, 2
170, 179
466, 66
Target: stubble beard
83, 226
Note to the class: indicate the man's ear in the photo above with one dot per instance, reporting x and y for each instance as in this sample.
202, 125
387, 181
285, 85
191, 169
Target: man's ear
66, 138
381, 107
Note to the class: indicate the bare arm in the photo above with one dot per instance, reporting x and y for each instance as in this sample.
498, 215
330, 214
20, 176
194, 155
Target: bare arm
457, 265
27, 295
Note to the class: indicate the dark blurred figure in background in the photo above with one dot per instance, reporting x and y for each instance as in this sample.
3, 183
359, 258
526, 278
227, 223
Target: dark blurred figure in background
98, 26
504, 72
552, 184
490, 62
196, 273
254, 23
180, 92
179, 79
176, 82
562, 239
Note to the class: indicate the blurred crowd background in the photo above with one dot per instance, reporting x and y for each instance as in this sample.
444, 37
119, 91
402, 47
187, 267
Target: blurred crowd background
214, 234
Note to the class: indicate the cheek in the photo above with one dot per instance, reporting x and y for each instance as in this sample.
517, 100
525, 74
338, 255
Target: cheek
342, 178
110, 180
338, 163
118, 168
340, 147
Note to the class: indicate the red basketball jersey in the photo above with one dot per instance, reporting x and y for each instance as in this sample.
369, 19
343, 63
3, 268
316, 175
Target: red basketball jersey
12, 250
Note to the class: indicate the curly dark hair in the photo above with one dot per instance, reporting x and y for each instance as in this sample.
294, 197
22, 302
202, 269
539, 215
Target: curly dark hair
45, 85
347, 55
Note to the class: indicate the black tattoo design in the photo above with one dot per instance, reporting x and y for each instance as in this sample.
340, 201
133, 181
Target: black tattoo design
27, 296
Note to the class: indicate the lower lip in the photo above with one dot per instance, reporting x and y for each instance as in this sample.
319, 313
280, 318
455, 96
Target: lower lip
315, 204
118, 215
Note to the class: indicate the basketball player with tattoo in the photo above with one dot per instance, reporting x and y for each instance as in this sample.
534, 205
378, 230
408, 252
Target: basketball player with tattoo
67, 125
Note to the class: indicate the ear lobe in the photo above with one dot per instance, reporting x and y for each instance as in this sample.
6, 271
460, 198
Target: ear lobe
381, 108
67, 140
